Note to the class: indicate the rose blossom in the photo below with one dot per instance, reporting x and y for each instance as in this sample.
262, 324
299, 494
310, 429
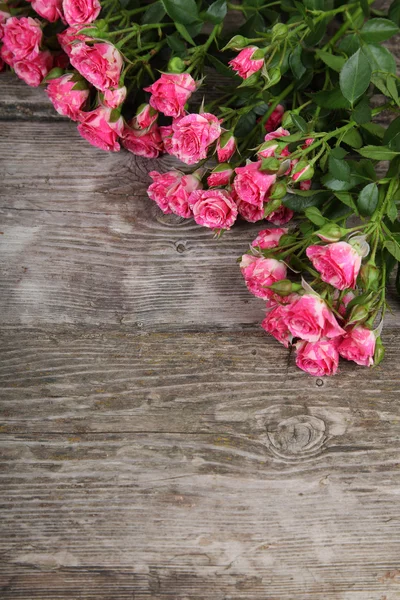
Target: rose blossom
68, 38
34, 70
3, 18
147, 143
318, 358
114, 98
274, 323
261, 272
268, 238
244, 64
171, 191
170, 93
251, 185
213, 208
80, 11
145, 117
281, 216
347, 298
268, 150
50, 10
6, 55
226, 147
192, 135
359, 345
221, 175
96, 128
66, 100
100, 64
249, 212
338, 263
310, 319
275, 119
22, 37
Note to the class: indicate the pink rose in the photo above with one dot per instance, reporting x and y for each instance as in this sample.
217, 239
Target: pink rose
274, 323
244, 64
221, 175
171, 191
51, 10
147, 143
97, 129
66, 100
268, 149
213, 208
68, 38
251, 185
303, 173
80, 11
250, 212
114, 98
166, 136
100, 64
305, 185
318, 358
192, 135
226, 147
34, 70
261, 272
3, 18
7, 56
359, 345
22, 37
310, 319
170, 93
145, 117
268, 238
338, 263
278, 133
275, 119
281, 216
347, 298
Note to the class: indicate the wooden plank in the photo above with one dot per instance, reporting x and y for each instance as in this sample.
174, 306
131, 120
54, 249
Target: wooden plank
21, 102
188, 466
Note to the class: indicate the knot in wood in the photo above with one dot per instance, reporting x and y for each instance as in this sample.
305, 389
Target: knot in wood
297, 437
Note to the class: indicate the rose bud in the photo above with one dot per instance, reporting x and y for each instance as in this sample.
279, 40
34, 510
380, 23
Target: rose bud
275, 324
80, 11
338, 263
251, 185
244, 64
249, 212
146, 142
370, 276
226, 146
302, 170
260, 273
171, 191
359, 313
66, 100
278, 191
100, 64
22, 37
213, 208
34, 69
192, 136
100, 130
347, 298
51, 10
305, 185
68, 38
272, 206
176, 65
318, 358
268, 238
170, 93
358, 345
379, 353
146, 115
310, 319
285, 287
275, 119
221, 175
281, 216
359, 243
114, 98
331, 232
236, 43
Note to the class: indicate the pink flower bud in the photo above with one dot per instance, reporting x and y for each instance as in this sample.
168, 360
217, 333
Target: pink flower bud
244, 64
100, 64
51, 10
358, 345
98, 128
221, 175
171, 191
71, 36
226, 147
310, 319
66, 100
281, 216
275, 324
338, 263
145, 117
318, 358
259, 273
146, 142
268, 238
170, 93
33, 70
114, 98
302, 171
275, 119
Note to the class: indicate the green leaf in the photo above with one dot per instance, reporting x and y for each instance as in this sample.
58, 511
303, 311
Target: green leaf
337, 185
154, 14
378, 30
300, 203
374, 129
365, 7
391, 210
380, 58
296, 65
352, 138
176, 44
184, 33
368, 199
222, 68
392, 89
334, 62
299, 122
245, 124
315, 216
338, 152
392, 135
362, 112
181, 11
339, 169
378, 152
394, 12
347, 199
350, 44
355, 76
333, 99
216, 12
393, 247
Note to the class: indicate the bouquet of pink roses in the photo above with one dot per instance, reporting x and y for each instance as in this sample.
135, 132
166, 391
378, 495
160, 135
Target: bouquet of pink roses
293, 137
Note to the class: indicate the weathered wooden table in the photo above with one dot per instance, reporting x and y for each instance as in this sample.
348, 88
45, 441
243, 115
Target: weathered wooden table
155, 443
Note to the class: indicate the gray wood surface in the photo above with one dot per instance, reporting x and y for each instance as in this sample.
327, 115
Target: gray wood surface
154, 442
